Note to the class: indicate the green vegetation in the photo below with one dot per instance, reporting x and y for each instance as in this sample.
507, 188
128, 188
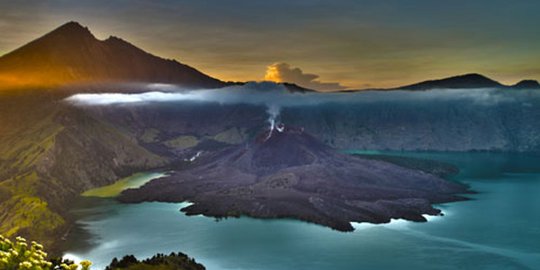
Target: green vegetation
49, 154
182, 142
174, 261
18, 255
150, 135
231, 136
29, 134
23, 144
29, 215
115, 189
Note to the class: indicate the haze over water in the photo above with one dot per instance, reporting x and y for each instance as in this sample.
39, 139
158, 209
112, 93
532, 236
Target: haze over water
497, 229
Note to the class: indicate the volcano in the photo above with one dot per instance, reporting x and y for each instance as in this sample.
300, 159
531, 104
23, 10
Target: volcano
287, 173
71, 54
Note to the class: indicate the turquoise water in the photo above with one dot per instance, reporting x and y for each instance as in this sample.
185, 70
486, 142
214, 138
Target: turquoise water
498, 229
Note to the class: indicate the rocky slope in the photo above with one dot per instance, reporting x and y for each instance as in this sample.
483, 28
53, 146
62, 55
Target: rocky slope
286, 173
442, 125
486, 123
49, 154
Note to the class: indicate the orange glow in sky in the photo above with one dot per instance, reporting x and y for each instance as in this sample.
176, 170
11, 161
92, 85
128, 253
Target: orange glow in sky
272, 74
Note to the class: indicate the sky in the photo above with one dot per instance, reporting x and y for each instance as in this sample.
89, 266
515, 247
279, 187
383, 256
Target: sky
320, 44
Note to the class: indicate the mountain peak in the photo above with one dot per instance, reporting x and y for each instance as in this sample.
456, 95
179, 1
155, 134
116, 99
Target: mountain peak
469, 80
471, 75
527, 84
72, 25
71, 29
71, 55
114, 38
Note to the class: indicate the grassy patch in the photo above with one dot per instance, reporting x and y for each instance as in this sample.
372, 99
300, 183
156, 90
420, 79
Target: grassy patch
27, 214
231, 136
182, 142
115, 189
150, 135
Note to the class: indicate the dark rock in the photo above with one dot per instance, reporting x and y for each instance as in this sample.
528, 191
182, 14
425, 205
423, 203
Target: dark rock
290, 174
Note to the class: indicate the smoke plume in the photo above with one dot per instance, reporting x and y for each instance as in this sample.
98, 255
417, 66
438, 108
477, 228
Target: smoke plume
283, 72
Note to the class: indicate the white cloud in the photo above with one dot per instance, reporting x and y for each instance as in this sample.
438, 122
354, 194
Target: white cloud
271, 94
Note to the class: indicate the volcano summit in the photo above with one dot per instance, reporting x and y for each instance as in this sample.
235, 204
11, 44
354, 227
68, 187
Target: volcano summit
287, 173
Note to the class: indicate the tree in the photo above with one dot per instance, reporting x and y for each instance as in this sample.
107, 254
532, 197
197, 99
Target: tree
18, 255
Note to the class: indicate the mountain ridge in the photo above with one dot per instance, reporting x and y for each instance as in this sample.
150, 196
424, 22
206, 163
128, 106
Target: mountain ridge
527, 84
467, 81
470, 80
71, 54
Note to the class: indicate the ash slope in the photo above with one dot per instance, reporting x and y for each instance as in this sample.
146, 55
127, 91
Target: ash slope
290, 174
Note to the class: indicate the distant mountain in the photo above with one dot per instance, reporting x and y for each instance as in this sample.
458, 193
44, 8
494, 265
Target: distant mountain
72, 55
527, 84
461, 81
467, 81
295, 88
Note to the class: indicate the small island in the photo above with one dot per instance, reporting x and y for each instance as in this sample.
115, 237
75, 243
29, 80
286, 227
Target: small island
287, 173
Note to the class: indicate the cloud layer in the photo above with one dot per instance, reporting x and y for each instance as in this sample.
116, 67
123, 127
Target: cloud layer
283, 72
277, 96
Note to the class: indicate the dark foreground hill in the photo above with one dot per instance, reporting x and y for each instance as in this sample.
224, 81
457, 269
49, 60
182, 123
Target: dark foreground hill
173, 261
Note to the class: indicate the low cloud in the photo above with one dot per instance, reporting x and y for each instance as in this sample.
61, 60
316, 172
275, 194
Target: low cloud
275, 96
283, 72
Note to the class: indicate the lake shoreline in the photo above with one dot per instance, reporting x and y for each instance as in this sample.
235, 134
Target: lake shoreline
101, 195
465, 229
